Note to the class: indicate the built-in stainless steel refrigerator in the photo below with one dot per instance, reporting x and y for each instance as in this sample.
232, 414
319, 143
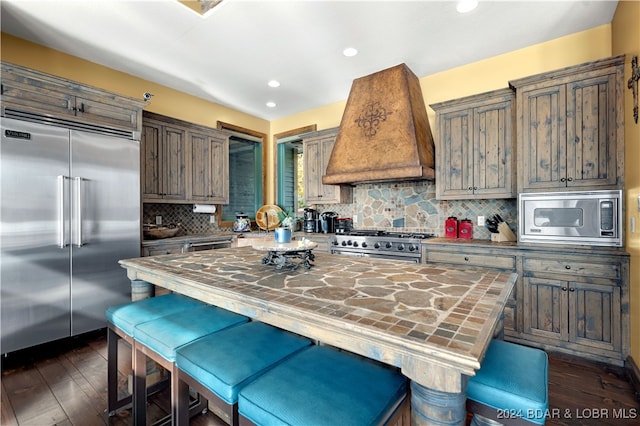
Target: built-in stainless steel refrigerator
70, 209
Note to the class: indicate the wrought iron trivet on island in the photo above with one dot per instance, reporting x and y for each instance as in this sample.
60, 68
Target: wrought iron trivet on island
283, 255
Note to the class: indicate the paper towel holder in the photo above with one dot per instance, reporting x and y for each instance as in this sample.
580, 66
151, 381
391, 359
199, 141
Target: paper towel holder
204, 208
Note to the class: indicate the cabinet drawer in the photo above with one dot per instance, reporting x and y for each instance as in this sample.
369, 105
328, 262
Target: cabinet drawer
487, 261
599, 270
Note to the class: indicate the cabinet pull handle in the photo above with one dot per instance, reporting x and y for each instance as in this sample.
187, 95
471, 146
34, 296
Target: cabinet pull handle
567, 266
81, 109
564, 289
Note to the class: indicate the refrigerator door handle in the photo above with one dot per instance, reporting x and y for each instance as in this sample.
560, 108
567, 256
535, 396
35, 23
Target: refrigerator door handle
62, 241
78, 181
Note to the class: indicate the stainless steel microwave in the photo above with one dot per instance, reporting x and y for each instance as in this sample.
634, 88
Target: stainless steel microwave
585, 217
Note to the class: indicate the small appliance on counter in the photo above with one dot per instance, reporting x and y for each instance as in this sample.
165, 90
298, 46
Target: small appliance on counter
328, 222
311, 220
344, 225
451, 227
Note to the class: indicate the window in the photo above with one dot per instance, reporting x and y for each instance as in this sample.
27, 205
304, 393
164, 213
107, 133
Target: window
289, 169
245, 178
246, 172
290, 176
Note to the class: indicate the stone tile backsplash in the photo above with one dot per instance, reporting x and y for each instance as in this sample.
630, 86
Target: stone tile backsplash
401, 206
190, 222
412, 207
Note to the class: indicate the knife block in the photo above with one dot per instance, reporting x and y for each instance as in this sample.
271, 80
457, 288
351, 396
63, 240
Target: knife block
504, 234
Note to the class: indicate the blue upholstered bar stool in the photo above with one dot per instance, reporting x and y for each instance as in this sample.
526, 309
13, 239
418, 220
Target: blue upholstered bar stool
323, 386
219, 365
160, 338
510, 387
121, 320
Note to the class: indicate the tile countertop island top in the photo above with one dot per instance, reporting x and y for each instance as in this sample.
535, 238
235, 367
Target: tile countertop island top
432, 321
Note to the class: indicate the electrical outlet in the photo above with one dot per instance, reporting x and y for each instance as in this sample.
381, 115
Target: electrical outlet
212, 218
158, 220
480, 220
355, 219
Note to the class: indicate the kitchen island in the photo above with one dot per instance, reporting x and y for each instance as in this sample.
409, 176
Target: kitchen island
433, 322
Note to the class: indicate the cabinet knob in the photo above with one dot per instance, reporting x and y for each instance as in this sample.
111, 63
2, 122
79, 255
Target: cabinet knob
569, 179
567, 266
563, 180
572, 289
466, 259
564, 289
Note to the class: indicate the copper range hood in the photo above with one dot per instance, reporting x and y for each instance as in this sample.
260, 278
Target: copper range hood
384, 134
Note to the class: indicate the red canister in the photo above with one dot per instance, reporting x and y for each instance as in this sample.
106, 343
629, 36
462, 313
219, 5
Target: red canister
466, 229
451, 227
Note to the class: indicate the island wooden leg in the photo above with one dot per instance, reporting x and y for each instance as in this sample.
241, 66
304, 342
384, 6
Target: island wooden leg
434, 407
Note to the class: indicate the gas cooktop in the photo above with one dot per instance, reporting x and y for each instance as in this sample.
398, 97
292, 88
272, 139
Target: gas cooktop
387, 234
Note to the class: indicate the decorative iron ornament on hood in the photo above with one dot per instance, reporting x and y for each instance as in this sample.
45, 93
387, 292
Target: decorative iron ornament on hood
384, 134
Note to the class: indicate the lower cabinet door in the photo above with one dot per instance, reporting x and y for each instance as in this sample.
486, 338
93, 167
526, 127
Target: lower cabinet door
546, 308
594, 313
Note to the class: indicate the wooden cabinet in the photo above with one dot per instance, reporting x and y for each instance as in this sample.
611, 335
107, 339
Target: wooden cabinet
317, 148
209, 182
163, 167
183, 162
566, 299
30, 91
570, 127
577, 304
155, 250
475, 147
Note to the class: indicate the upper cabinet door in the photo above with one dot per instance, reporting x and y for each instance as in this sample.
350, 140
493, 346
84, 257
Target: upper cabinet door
543, 126
591, 132
317, 149
209, 176
455, 155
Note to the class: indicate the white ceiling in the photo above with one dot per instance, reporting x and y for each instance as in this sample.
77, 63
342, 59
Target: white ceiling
229, 56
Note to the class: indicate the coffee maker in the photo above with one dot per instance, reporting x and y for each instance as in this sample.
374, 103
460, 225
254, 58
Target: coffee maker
311, 220
328, 222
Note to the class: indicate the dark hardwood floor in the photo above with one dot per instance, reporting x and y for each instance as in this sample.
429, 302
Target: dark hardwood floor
64, 383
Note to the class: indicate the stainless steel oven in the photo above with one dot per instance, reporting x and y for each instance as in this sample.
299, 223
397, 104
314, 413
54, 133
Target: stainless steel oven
406, 247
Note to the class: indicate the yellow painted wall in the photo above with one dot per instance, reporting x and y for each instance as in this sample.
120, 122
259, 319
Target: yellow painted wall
626, 39
165, 101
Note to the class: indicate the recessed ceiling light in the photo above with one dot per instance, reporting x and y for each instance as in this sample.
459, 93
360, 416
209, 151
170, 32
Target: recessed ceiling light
465, 6
271, 104
274, 83
350, 51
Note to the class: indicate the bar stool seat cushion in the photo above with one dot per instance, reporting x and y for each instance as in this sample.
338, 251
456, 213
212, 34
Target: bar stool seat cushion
514, 378
322, 386
128, 315
166, 334
224, 362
